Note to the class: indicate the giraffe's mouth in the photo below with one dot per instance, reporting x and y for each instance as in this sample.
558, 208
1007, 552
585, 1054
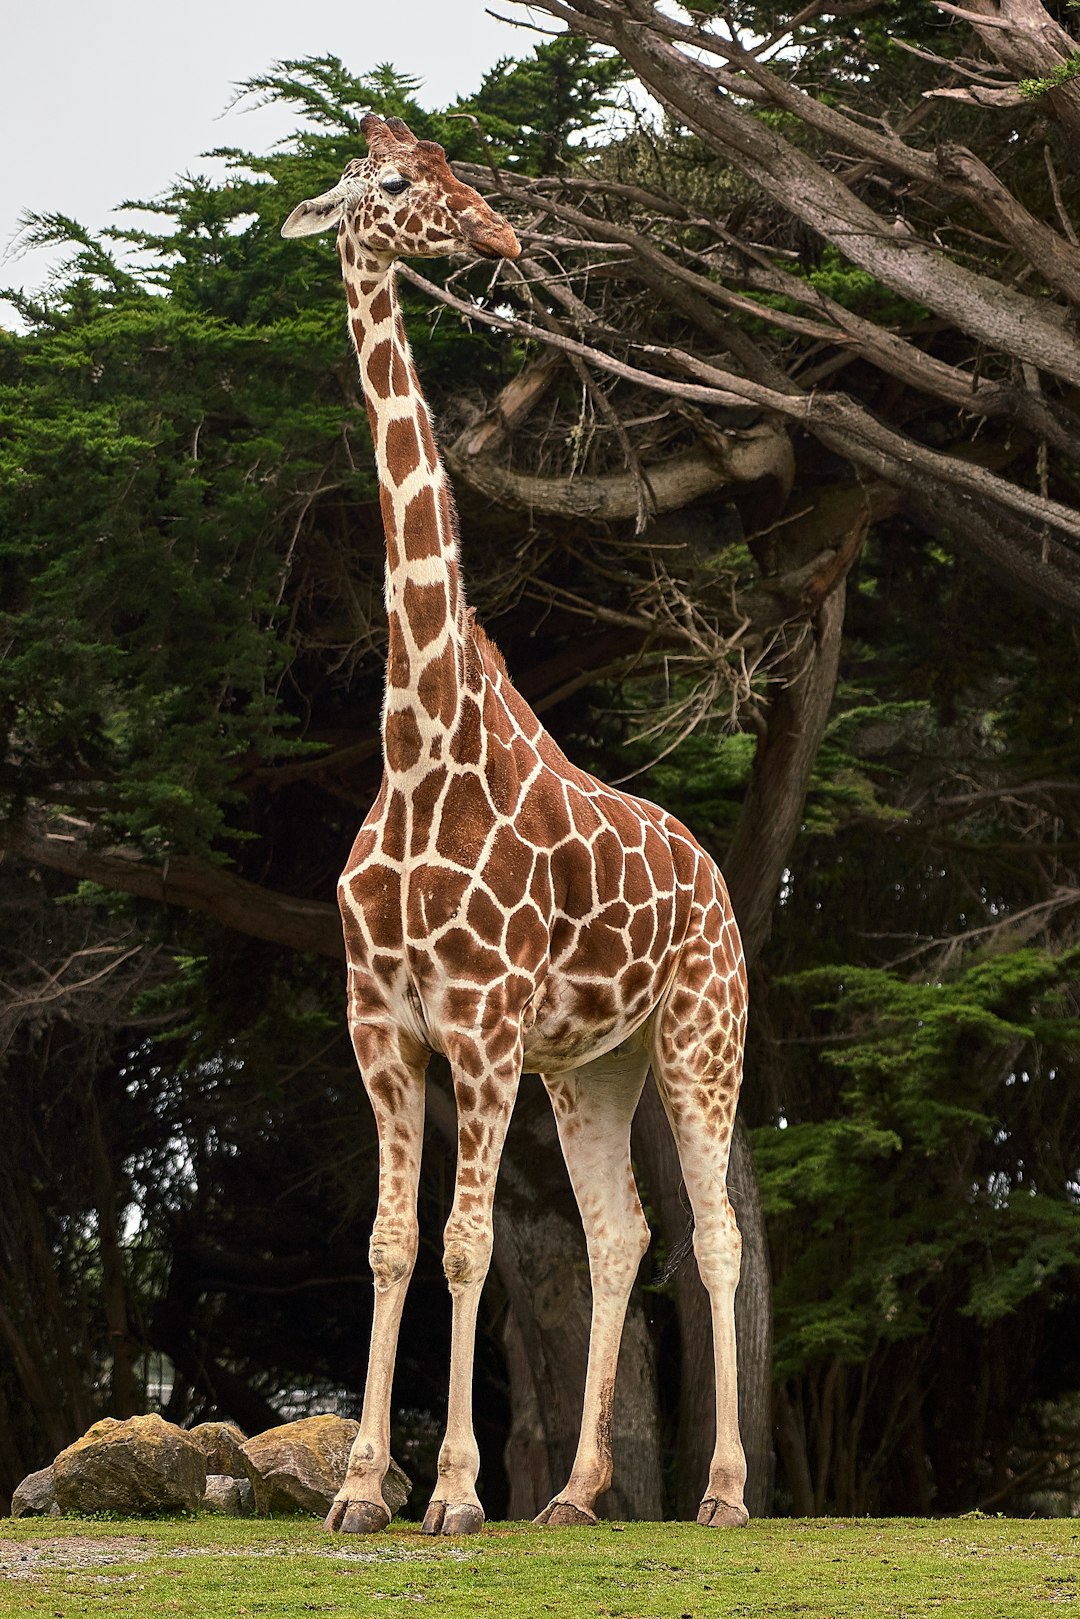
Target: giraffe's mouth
492, 239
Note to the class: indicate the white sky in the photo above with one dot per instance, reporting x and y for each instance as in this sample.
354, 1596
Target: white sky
103, 101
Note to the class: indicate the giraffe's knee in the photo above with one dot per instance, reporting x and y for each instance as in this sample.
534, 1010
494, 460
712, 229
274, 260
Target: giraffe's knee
392, 1255
466, 1254
634, 1239
616, 1250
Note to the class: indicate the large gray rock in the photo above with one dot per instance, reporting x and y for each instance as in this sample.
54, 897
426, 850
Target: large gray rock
142, 1466
35, 1497
232, 1496
300, 1467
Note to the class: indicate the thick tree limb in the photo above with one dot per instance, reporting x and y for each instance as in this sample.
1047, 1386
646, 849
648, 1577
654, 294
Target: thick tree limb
989, 311
1030, 44
742, 457
247, 907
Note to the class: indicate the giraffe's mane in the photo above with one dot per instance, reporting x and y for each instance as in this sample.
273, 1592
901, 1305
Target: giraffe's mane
489, 652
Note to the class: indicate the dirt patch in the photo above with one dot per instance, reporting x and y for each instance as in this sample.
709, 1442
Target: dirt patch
24, 1560
28, 1560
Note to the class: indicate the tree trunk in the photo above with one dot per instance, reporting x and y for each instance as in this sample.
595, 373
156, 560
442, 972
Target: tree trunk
113, 1279
776, 795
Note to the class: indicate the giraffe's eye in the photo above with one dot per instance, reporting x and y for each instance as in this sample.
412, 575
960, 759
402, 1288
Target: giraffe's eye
395, 184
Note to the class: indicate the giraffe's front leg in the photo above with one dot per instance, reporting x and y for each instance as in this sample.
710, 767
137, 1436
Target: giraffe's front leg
485, 1101
396, 1089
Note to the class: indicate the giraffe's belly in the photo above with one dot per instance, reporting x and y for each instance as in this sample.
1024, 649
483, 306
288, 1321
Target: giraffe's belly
582, 1016
562, 1044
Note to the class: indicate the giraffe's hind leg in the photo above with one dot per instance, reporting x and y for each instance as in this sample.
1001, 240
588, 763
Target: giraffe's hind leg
697, 1061
594, 1107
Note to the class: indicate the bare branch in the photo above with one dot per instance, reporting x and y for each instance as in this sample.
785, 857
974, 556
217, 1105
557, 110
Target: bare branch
832, 417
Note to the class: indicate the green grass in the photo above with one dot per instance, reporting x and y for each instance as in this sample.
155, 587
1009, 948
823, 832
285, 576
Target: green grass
821, 1569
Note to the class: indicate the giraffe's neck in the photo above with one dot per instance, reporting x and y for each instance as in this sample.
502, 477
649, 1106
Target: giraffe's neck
425, 668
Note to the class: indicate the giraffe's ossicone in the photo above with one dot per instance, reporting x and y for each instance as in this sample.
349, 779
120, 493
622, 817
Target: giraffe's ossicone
507, 909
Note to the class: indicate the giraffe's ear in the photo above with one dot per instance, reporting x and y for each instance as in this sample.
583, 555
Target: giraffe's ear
316, 214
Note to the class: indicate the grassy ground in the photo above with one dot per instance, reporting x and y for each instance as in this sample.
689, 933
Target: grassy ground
981, 1567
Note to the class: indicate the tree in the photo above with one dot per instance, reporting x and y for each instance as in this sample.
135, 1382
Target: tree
871, 276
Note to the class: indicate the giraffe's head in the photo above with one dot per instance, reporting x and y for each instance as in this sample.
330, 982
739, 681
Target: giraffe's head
403, 201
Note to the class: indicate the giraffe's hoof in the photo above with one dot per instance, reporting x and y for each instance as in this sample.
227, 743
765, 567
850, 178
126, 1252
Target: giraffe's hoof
444, 1518
717, 1514
565, 1515
357, 1517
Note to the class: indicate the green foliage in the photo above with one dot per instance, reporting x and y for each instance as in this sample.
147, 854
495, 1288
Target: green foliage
147, 453
909, 1180
1062, 74
536, 112
852, 777
854, 289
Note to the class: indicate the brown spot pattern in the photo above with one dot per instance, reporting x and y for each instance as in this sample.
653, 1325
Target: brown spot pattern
425, 609
402, 454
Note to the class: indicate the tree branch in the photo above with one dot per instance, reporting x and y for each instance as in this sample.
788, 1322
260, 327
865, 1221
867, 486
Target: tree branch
246, 907
842, 424
989, 311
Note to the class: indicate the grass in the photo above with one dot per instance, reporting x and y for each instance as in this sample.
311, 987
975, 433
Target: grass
820, 1569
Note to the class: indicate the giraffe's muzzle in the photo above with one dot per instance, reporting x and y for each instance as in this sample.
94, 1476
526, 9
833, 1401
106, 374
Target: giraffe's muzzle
492, 238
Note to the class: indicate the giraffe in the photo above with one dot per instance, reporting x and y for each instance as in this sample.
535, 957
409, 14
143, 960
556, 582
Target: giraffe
508, 910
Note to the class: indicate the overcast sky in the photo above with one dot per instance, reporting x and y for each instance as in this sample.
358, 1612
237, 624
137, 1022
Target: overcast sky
111, 100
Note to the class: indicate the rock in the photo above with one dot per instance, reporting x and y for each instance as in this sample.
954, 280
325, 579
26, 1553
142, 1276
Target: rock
222, 1445
301, 1466
142, 1466
232, 1496
103, 1425
222, 1494
35, 1497
396, 1488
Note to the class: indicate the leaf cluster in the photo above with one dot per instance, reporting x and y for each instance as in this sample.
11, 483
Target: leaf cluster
927, 1174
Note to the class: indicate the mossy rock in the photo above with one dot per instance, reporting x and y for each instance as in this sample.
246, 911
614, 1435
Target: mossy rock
141, 1467
232, 1497
222, 1443
300, 1467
